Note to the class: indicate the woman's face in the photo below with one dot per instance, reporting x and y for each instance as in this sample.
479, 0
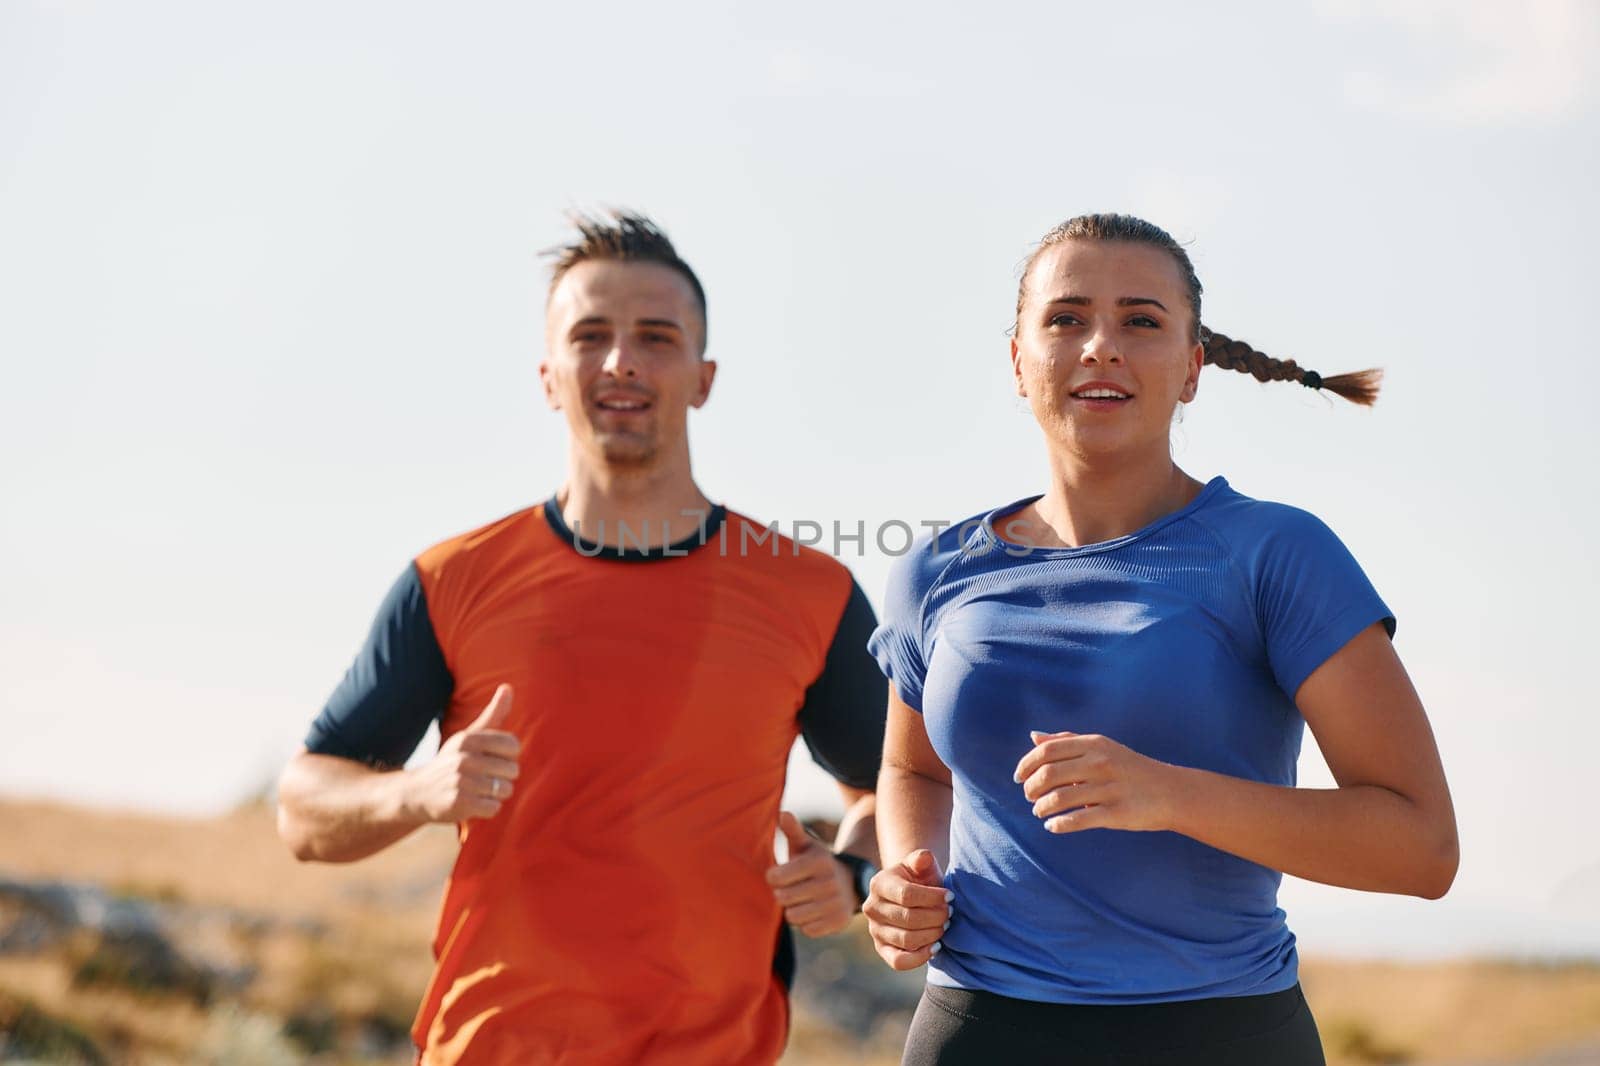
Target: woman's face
1104, 348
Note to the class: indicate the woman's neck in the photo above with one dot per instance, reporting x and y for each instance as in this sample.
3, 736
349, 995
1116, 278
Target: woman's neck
1091, 502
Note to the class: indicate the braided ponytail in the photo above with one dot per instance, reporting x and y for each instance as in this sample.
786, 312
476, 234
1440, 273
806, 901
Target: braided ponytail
1222, 351
1360, 387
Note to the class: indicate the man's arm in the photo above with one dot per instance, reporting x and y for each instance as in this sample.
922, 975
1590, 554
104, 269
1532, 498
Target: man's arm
858, 829
855, 845
842, 723
341, 797
332, 809
338, 810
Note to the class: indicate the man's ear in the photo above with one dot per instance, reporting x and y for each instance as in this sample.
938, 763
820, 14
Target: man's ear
547, 379
708, 374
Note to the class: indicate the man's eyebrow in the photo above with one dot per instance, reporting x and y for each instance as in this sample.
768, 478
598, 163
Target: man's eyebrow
592, 320
1122, 301
660, 322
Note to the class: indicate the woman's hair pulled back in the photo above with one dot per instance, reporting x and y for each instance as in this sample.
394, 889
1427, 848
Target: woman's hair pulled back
1222, 351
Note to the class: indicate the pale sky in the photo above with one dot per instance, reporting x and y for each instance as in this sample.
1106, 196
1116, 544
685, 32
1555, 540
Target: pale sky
270, 312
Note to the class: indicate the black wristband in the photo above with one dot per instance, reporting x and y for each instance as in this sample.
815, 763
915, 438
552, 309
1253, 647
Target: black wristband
862, 872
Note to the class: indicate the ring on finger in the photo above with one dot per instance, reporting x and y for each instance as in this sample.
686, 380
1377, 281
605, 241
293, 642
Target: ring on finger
494, 787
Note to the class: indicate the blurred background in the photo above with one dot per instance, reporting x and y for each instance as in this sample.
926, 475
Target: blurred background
270, 316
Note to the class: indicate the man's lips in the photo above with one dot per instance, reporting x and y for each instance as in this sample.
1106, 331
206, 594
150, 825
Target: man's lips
623, 403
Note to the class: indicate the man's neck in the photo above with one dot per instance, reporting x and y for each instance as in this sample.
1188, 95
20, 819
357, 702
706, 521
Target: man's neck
632, 507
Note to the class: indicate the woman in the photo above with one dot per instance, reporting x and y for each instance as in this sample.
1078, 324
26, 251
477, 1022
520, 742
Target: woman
1097, 705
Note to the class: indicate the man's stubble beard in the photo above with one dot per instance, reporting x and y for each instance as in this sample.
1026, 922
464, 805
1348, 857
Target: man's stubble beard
624, 450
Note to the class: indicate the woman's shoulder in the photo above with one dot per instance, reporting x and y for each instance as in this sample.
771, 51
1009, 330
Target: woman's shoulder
1243, 520
941, 546
1271, 540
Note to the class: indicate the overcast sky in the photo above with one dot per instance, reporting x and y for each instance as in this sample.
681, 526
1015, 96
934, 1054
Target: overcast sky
270, 312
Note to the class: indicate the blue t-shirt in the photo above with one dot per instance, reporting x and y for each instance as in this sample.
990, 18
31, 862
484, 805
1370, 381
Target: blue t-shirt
1184, 641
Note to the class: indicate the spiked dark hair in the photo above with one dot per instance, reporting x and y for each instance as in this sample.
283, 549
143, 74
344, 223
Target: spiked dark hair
1360, 387
624, 236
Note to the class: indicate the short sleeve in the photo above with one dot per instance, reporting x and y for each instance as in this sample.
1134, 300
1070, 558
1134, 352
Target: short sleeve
1311, 596
897, 643
398, 685
842, 718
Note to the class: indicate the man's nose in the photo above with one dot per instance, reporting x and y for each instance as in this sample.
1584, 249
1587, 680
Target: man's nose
620, 361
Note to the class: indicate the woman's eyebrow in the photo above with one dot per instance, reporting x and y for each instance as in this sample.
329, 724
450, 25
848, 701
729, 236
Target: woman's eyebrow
1122, 301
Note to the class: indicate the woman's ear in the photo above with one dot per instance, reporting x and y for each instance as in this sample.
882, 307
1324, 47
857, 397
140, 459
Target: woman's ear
1191, 383
1016, 369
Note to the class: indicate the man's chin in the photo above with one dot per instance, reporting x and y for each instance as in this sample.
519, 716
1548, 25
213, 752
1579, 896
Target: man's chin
627, 451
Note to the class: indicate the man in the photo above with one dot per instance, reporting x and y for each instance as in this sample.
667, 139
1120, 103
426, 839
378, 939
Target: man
618, 675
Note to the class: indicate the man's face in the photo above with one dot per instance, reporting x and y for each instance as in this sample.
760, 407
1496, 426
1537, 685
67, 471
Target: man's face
624, 342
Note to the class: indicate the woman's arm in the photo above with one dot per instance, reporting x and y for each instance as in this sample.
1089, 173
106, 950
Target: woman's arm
909, 908
913, 789
1389, 826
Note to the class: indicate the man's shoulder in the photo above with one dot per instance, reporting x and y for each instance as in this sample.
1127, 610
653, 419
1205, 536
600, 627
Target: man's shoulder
489, 543
747, 538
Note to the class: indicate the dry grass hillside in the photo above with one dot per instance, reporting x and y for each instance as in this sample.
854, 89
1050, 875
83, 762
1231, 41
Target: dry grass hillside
201, 941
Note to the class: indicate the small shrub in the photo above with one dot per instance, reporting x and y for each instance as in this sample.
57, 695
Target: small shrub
344, 1001
140, 962
236, 1037
1353, 1038
28, 1033
313, 1028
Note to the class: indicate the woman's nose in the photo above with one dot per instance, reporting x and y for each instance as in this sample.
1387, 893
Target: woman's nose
1100, 348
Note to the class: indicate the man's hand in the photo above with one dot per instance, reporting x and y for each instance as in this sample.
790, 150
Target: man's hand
472, 775
816, 891
908, 911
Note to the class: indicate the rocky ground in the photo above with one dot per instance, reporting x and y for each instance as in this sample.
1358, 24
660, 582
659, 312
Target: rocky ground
127, 939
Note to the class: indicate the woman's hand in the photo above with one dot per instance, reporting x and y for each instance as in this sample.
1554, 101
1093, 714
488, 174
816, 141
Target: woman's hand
1082, 781
908, 910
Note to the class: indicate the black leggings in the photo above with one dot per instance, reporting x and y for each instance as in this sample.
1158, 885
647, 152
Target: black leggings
953, 1027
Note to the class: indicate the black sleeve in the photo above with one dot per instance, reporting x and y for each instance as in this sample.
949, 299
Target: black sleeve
845, 708
397, 686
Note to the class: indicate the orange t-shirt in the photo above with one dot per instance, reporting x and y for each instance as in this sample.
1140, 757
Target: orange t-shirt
615, 910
